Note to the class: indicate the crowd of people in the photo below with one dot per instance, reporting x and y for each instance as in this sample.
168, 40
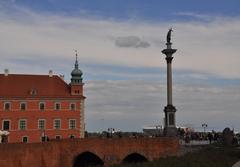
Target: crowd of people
212, 137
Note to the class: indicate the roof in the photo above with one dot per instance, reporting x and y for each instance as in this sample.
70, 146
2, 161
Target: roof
33, 86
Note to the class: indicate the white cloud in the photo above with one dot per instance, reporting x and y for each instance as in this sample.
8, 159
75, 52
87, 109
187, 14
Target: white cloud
131, 41
203, 17
32, 42
210, 47
130, 105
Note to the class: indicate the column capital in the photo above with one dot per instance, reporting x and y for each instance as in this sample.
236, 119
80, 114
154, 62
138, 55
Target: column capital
169, 52
169, 59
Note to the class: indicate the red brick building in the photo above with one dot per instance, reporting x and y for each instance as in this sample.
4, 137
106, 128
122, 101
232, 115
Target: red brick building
34, 108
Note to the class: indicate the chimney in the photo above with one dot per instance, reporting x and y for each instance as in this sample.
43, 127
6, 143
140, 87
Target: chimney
50, 73
62, 77
6, 72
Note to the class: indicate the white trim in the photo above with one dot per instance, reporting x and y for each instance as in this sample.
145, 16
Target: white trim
20, 106
60, 124
55, 108
36, 107
7, 102
9, 124
69, 127
25, 124
44, 124
82, 119
44, 103
70, 106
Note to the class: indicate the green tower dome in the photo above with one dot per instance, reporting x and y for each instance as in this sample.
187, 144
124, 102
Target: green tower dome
76, 74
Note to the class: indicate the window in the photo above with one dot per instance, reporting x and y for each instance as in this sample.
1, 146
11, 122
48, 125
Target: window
7, 106
33, 92
58, 137
44, 138
41, 124
76, 91
57, 106
24, 139
57, 123
23, 106
4, 139
22, 124
42, 106
6, 125
72, 123
72, 106
71, 136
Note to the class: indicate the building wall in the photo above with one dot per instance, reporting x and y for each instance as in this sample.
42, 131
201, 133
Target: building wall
63, 153
32, 114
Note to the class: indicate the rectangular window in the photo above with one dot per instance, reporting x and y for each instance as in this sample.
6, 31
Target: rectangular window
4, 139
72, 123
42, 106
6, 125
23, 106
25, 139
22, 124
7, 106
58, 137
71, 136
44, 138
41, 123
72, 106
57, 106
57, 123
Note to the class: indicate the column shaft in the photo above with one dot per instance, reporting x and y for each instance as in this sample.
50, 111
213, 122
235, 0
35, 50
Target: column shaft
169, 83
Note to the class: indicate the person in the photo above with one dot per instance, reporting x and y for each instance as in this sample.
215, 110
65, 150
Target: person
210, 137
187, 137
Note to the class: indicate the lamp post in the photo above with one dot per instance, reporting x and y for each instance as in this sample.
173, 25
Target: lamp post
169, 110
204, 125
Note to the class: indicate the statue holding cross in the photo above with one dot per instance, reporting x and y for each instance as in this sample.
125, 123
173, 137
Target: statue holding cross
169, 35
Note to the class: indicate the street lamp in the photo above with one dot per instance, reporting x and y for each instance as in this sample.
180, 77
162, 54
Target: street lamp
204, 125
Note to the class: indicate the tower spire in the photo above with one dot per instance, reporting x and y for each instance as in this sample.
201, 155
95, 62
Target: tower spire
76, 72
76, 62
76, 80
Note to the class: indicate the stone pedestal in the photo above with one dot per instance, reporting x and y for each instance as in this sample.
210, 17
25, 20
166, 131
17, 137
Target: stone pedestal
170, 119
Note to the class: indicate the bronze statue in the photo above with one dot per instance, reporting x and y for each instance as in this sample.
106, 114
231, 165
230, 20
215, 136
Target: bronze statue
169, 35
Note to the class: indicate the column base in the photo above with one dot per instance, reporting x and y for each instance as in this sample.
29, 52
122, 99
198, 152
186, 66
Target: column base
170, 131
169, 108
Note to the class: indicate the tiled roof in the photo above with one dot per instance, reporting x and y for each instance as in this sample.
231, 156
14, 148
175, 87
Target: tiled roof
18, 85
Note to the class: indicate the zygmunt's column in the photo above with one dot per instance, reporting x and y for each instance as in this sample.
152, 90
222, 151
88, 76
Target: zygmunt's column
170, 119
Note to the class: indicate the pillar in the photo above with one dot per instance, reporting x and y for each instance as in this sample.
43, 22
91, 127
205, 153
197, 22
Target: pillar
169, 110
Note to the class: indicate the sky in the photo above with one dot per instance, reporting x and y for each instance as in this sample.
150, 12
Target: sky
119, 47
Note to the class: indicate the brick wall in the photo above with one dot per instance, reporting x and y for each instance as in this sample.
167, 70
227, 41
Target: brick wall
62, 153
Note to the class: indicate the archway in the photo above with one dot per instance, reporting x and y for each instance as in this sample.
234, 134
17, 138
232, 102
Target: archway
134, 158
87, 159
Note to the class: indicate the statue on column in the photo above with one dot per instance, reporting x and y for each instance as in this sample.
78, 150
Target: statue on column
169, 35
